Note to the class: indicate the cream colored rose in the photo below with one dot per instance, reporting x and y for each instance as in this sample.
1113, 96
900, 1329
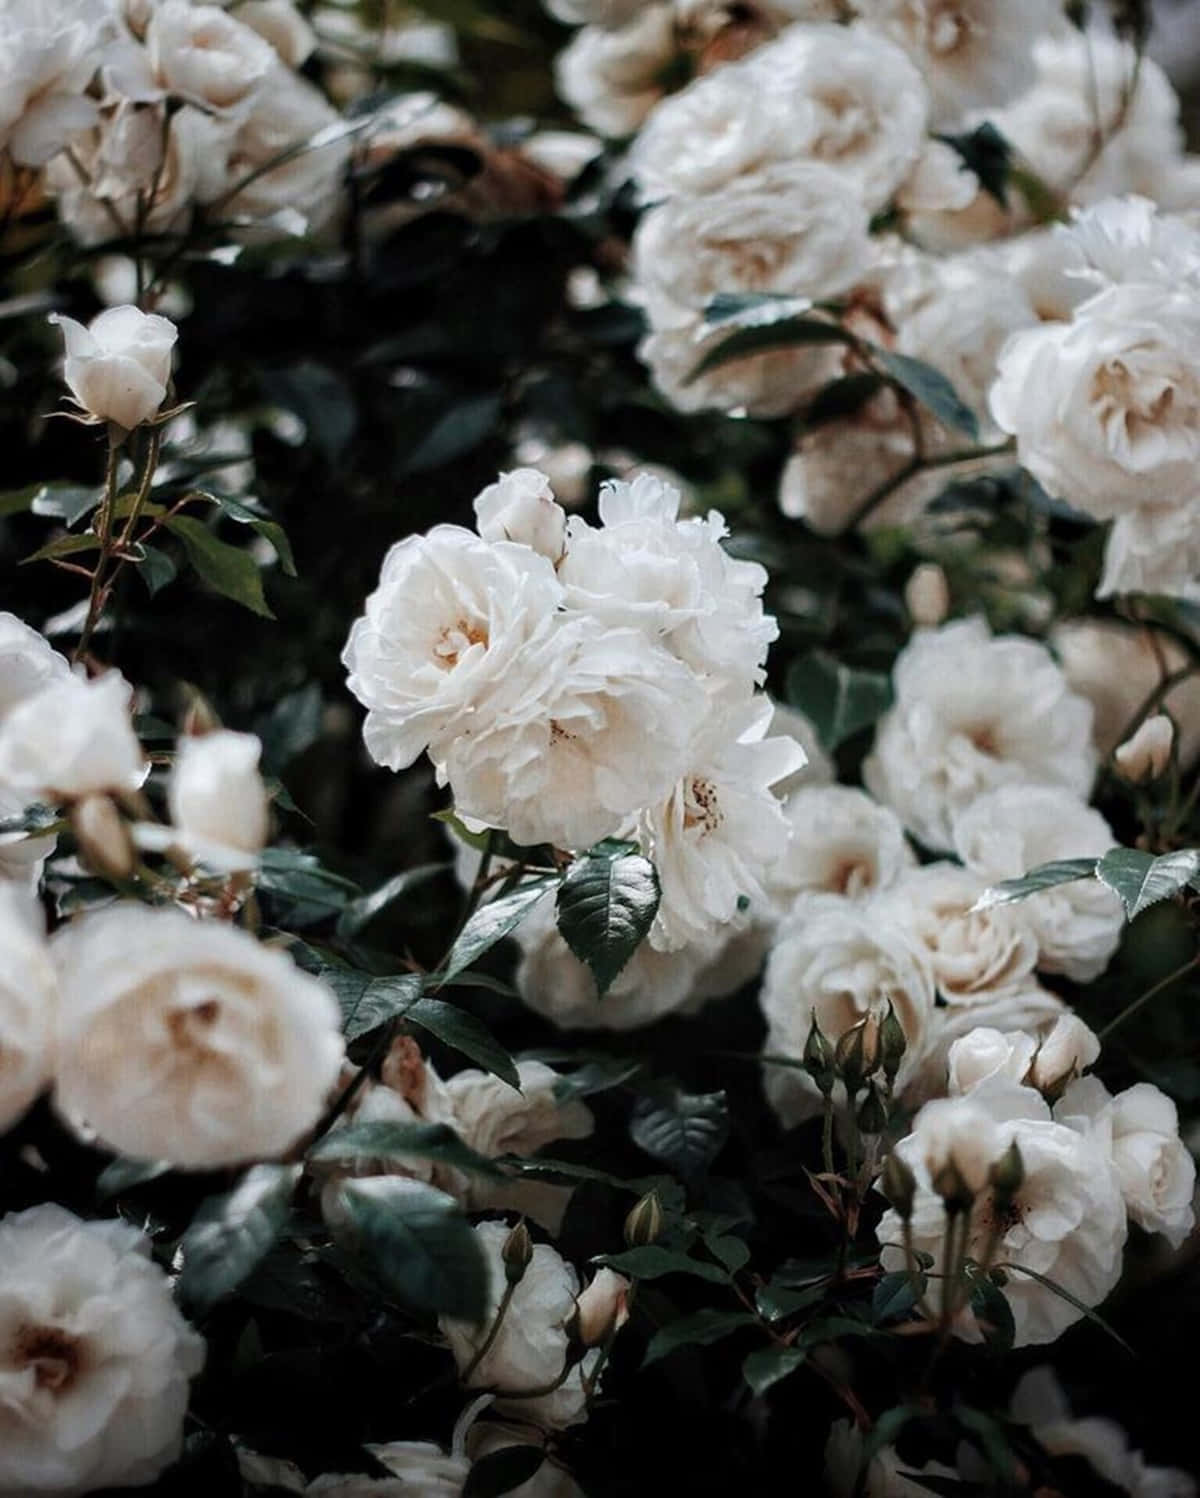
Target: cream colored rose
189, 1041
203, 55
281, 24
612, 77
217, 799
71, 740
48, 56
984, 1055
119, 366
96, 1363
840, 843
28, 997
521, 507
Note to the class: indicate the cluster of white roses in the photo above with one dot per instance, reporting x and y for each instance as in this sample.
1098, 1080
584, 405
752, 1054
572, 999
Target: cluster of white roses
816, 167
140, 112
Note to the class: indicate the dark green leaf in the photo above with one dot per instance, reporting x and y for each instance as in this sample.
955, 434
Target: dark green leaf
155, 568
123, 1175
839, 700
455, 1027
270, 530
298, 880
227, 569
988, 154
993, 1312
459, 430
394, 1143
294, 724
769, 1365
1143, 880
417, 1242
1045, 876
35, 820
605, 907
502, 1471
322, 400
684, 1131
777, 1301
895, 1295
491, 923
698, 1329
791, 332
653, 1261
231, 1233
931, 387
361, 912
753, 309
63, 546
831, 1328
843, 397
367, 1001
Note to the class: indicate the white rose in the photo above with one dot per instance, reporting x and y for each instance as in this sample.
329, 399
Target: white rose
1128, 239
48, 57
673, 580
585, 727
189, 1041
28, 662
1140, 1129
1154, 550
27, 1001
970, 52
281, 24
72, 739
839, 961
956, 1134
1066, 1220
217, 799
1106, 408
612, 78
1116, 667
603, 1307
94, 1384
521, 507
796, 228
1009, 831
973, 712
1069, 1049
716, 838
119, 366
205, 56
985, 1055
1146, 754
1029, 1010
449, 617
530, 1349
840, 842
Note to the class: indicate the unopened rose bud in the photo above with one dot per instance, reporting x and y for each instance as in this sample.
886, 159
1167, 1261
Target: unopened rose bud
1008, 1173
927, 595
1146, 754
103, 837
602, 1308
892, 1043
216, 795
951, 1185
119, 366
645, 1222
521, 507
899, 1185
516, 1253
856, 1055
1069, 1049
818, 1059
872, 1117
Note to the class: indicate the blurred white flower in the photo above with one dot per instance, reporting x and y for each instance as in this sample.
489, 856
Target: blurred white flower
984, 1056
1130, 240
27, 1003
1155, 549
840, 842
21, 856
673, 580
1009, 831
603, 1307
28, 662
531, 1347
119, 366
1066, 1221
927, 595
49, 51
594, 12
1146, 754
217, 799
71, 739
449, 616
521, 507
189, 1041
1140, 1129
281, 24
94, 1381
973, 712
839, 961
612, 76
205, 56
1065, 1052
716, 838
817, 769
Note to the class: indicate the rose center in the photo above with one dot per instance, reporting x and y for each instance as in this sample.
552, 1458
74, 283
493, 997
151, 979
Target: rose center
983, 736
849, 876
455, 640
190, 1028
55, 1357
949, 31
701, 807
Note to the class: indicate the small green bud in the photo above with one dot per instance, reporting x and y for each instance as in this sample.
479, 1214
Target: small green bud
951, 1186
517, 1253
1008, 1173
818, 1058
892, 1043
872, 1116
899, 1185
645, 1222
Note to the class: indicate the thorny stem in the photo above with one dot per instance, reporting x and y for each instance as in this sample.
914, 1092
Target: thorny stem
104, 532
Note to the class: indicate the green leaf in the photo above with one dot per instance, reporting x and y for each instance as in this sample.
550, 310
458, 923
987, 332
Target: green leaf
895, 1295
292, 726
841, 397
455, 1027
227, 569
503, 1471
1045, 876
456, 432
653, 1261
1143, 880
231, 1233
155, 568
777, 1301
753, 309
394, 1143
993, 1312
684, 1131
361, 912
63, 546
988, 154
123, 1174
931, 387
491, 923
839, 700
270, 530
769, 1365
605, 907
36, 820
698, 1329
310, 891
791, 332
830, 1328
366, 1001
417, 1242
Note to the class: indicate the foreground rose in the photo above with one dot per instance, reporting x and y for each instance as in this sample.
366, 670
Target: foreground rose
119, 366
189, 1041
27, 999
47, 59
94, 1357
27, 663
217, 798
71, 740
